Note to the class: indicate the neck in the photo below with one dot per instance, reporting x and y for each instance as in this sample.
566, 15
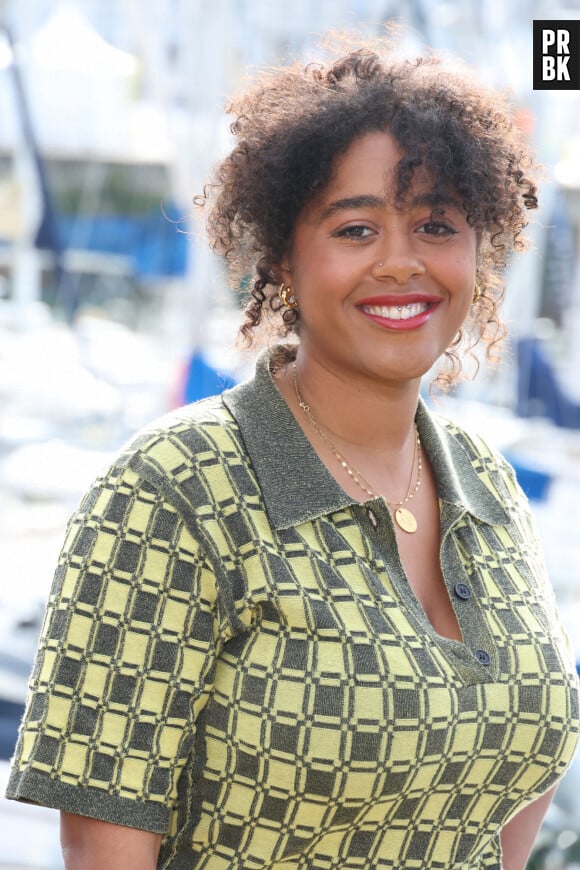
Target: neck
361, 413
365, 465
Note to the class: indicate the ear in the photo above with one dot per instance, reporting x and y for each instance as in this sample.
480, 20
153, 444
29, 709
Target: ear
283, 271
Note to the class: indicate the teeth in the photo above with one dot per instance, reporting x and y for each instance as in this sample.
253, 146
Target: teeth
397, 312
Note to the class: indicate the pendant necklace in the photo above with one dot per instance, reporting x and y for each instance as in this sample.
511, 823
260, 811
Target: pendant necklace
404, 517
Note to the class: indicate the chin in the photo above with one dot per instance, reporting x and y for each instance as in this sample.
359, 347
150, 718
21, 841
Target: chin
403, 369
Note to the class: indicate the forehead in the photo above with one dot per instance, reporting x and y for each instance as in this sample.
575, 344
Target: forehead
376, 152
370, 165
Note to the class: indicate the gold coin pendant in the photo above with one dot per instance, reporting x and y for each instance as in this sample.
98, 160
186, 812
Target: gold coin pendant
405, 520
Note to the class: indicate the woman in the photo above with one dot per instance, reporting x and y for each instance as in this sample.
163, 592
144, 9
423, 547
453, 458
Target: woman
306, 624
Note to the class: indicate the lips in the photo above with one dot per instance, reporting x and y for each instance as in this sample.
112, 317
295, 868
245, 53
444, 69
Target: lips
408, 311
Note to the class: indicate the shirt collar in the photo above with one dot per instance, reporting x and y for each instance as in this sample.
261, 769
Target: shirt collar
297, 486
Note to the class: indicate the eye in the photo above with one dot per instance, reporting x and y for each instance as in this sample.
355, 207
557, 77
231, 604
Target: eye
353, 231
438, 225
437, 228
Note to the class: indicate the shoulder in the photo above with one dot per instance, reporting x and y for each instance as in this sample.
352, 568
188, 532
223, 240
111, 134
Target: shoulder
181, 458
491, 467
475, 445
204, 427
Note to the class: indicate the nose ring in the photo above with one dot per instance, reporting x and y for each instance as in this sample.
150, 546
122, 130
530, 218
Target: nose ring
380, 264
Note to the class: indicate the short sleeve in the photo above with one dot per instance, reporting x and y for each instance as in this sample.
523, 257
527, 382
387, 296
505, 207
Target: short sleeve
125, 661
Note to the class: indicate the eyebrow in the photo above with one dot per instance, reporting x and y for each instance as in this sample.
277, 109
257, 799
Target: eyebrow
433, 199
368, 200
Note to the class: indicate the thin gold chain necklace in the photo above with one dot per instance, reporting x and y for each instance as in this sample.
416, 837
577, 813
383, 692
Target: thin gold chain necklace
404, 517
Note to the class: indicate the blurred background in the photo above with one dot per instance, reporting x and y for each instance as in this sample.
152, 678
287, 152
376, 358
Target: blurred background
112, 310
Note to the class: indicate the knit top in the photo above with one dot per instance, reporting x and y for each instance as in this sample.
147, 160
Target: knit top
232, 655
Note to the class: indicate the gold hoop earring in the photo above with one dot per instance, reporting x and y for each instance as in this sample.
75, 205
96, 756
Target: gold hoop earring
287, 296
477, 294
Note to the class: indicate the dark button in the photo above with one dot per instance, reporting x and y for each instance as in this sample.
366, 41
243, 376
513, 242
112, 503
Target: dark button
482, 656
462, 590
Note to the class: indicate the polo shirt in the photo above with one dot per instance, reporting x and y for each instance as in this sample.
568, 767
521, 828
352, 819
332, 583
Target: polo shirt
233, 656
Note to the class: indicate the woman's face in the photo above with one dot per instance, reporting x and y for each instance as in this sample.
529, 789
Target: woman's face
382, 290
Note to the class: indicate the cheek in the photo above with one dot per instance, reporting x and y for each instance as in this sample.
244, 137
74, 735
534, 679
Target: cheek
463, 270
319, 277
471, 256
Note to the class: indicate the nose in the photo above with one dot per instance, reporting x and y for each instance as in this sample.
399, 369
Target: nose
399, 262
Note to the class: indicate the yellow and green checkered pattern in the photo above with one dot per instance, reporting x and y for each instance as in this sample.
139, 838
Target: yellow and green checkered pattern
233, 656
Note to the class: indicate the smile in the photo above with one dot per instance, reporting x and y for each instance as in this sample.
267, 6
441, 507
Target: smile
396, 312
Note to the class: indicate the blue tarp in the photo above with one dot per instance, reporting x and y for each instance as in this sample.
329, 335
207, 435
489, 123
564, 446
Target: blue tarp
10, 716
539, 392
156, 242
202, 380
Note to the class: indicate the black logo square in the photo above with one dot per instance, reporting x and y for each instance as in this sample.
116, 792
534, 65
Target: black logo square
557, 55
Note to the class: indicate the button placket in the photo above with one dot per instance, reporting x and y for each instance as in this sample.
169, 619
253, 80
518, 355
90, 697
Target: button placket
477, 638
463, 591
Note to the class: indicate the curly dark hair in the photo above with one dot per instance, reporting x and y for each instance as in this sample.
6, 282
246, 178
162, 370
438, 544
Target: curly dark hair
293, 122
